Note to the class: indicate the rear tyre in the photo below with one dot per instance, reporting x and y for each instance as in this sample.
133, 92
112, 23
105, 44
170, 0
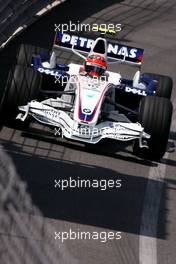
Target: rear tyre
22, 86
25, 53
163, 86
155, 115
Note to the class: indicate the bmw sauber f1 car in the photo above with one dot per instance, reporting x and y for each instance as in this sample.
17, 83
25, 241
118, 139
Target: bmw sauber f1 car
91, 103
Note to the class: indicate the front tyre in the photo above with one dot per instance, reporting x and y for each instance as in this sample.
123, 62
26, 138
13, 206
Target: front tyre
155, 115
26, 52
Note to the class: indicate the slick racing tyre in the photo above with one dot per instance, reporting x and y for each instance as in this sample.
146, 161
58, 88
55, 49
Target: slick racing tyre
25, 53
155, 115
163, 86
22, 86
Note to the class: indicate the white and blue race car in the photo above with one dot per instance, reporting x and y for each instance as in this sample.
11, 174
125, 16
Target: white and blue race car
87, 102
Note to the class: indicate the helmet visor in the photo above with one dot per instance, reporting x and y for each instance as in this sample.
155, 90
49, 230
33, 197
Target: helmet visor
95, 68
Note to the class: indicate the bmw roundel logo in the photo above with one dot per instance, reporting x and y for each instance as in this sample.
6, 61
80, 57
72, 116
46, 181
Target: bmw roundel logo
86, 111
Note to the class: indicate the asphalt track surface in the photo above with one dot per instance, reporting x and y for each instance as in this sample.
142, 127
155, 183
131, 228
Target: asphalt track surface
143, 209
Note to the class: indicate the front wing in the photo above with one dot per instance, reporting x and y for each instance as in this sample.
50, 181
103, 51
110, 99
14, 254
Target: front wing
81, 132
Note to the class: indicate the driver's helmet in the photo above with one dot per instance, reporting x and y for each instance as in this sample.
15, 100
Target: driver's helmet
95, 65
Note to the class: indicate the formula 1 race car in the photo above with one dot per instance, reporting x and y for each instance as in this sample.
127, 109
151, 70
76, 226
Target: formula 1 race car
91, 103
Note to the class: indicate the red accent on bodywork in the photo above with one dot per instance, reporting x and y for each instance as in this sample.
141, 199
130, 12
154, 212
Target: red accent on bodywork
139, 59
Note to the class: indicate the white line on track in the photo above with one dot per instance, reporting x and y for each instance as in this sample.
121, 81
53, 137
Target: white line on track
149, 221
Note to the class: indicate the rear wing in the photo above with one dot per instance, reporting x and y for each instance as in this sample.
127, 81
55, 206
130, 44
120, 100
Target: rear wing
115, 51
